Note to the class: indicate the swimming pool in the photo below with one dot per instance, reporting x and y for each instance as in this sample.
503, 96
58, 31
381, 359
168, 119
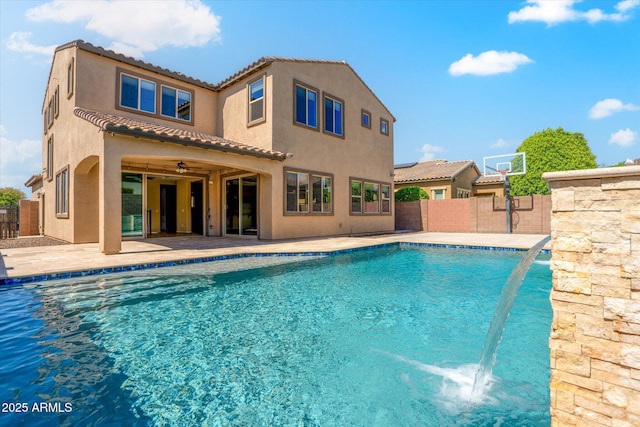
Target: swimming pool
380, 337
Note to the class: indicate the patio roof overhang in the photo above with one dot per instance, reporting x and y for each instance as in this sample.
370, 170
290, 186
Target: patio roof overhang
140, 129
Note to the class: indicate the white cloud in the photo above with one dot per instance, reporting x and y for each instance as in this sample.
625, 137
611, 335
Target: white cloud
624, 138
19, 42
137, 27
18, 160
558, 11
500, 143
608, 107
487, 63
429, 152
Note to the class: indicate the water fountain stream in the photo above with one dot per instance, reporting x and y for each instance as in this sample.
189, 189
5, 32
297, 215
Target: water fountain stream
500, 316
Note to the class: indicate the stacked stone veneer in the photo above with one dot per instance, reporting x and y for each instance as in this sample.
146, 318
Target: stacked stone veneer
595, 336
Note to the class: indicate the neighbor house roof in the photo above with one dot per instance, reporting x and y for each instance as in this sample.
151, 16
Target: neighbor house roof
137, 128
488, 179
431, 170
34, 180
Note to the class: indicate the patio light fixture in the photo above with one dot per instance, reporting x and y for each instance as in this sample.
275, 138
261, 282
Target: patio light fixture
181, 167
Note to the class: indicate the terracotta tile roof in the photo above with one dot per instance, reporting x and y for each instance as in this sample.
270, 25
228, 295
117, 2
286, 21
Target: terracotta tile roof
431, 170
81, 44
126, 126
246, 71
268, 60
487, 179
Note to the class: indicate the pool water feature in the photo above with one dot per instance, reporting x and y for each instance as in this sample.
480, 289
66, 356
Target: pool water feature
482, 380
382, 337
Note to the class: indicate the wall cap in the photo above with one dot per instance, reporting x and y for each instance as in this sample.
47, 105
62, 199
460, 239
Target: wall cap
619, 171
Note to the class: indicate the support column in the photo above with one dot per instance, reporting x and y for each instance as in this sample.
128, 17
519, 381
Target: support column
110, 204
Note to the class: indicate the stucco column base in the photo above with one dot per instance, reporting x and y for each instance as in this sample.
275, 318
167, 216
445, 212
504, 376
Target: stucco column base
110, 204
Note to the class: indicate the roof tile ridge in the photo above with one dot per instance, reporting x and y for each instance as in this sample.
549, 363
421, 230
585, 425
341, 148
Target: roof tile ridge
133, 61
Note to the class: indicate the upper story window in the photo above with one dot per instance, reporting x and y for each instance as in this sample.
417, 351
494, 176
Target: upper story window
49, 113
137, 93
306, 106
176, 103
256, 100
365, 120
333, 116
50, 158
384, 126
56, 102
70, 79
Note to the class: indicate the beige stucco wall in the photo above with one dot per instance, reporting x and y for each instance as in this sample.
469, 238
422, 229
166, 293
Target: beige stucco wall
489, 190
96, 159
362, 153
595, 337
96, 81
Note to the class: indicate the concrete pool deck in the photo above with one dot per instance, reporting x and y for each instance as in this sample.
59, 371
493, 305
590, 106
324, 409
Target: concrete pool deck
43, 260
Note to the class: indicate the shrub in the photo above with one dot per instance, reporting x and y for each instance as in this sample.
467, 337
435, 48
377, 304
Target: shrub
410, 194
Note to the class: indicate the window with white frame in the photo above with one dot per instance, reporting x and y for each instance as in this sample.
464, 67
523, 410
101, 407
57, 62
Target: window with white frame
137, 93
384, 126
62, 193
306, 106
370, 197
365, 119
308, 192
333, 116
175, 103
256, 100
438, 194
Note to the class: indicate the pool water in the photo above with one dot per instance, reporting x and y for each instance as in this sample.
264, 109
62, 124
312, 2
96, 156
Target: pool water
381, 337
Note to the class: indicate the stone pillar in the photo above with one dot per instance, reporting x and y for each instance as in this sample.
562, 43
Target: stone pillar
595, 336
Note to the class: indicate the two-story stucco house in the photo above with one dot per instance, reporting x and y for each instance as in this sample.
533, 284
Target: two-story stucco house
284, 148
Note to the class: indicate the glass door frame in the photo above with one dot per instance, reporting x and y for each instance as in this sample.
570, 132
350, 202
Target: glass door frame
145, 212
240, 203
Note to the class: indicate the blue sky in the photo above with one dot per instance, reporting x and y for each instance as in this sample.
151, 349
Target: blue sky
464, 79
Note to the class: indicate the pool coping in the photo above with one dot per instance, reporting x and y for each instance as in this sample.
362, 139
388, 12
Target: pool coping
8, 281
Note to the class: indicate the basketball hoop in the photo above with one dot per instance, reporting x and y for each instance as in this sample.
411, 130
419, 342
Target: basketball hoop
503, 174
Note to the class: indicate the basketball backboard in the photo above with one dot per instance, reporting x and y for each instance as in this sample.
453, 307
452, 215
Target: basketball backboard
505, 165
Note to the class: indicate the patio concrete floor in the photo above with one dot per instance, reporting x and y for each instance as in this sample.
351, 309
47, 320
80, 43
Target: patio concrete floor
33, 261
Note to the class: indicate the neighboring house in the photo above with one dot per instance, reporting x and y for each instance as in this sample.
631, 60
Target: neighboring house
439, 178
284, 148
488, 186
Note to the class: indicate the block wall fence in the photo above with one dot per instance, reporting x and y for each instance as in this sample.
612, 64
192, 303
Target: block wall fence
530, 215
595, 334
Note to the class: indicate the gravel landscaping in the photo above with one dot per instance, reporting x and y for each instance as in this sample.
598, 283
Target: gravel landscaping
29, 242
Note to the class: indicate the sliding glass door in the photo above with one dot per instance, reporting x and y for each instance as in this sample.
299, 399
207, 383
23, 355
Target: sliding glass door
132, 204
241, 206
